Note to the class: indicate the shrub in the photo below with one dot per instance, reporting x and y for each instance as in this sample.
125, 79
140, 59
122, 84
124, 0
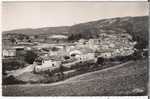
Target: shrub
11, 80
11, 65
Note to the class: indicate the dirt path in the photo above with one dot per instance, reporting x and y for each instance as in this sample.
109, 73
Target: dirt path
20, 71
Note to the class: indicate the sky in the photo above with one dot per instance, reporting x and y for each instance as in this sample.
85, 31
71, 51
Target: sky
27, 14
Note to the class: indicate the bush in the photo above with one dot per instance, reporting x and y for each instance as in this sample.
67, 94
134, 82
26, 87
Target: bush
11, 80
54, 49
11, 65
100, 60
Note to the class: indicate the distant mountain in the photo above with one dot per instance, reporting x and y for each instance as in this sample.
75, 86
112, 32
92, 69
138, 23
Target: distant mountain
136, 26
37, 31
112, 25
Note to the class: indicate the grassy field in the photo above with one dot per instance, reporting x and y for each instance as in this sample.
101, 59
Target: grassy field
126, 79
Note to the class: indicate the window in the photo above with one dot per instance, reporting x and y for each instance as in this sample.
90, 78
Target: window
73, 55
53, 65
66, 57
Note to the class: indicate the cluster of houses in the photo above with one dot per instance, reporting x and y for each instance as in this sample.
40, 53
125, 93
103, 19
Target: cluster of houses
106, 46
117, 45
109, 45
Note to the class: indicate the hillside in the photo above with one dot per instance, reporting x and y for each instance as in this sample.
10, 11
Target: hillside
126, 79
135, 26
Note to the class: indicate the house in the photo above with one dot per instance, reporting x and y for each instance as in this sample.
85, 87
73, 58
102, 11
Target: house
83, 54
106, 55
86, 57
57, 38
10, 52
82, 41
69, 48
75, 52
28, 48
50, 65
93, 42
32, 37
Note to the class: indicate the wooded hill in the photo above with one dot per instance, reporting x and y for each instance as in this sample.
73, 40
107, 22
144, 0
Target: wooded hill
136, 26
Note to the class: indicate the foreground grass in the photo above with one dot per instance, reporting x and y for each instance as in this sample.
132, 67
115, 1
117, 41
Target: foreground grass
122, 80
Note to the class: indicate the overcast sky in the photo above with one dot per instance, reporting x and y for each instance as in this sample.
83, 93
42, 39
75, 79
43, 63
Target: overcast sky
17, 15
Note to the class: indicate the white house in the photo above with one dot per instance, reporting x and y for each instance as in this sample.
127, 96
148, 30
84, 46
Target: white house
58, 37
83, 54
47, 65
87, 57
9, 52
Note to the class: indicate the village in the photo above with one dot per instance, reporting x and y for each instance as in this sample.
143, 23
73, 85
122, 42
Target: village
51, 56
75, 48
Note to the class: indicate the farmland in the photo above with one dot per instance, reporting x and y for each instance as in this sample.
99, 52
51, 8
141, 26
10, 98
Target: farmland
127, 79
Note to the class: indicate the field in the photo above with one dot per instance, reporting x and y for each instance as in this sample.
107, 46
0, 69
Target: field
126, 79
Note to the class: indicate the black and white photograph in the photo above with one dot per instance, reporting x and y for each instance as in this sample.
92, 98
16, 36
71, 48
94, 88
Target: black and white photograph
78, 48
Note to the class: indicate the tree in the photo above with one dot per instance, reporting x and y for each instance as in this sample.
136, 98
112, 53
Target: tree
13, 40
30, 57
21, 37
36, 36
54, 49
